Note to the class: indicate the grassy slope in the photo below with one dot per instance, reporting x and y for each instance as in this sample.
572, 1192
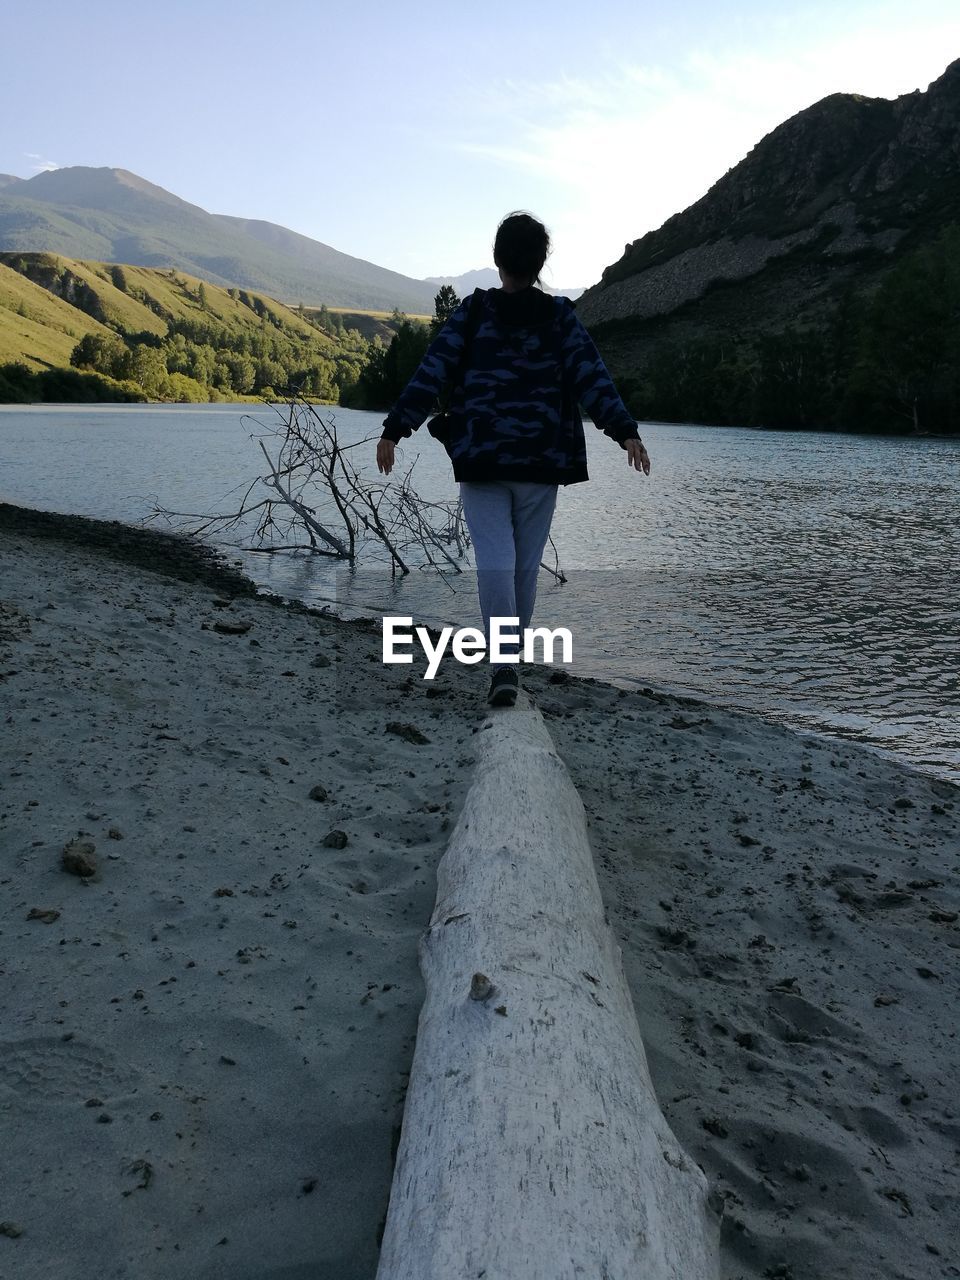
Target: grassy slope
122, 312
52, 327
177, 293
49, 331
377, 315
371, 324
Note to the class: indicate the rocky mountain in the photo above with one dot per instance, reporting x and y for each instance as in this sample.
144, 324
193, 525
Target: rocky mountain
812, 220
112, 215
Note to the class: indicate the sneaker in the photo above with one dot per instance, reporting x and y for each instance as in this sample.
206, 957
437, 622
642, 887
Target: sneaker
504, 684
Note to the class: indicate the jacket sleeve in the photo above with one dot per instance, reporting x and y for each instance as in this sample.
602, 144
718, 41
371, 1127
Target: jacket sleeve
592, 385
435, 369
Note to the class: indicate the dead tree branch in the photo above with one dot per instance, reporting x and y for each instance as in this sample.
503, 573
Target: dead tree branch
309, 470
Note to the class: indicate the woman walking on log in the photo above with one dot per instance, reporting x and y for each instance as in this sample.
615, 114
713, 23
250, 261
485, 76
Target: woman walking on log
516, 363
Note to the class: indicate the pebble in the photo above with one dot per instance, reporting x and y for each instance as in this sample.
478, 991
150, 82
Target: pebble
47, 915
78, 857
407, 731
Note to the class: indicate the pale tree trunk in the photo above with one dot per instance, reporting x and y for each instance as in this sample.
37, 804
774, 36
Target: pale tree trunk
533, 1146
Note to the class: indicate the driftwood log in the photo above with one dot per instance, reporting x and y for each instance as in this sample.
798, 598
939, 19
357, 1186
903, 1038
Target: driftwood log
533, 1146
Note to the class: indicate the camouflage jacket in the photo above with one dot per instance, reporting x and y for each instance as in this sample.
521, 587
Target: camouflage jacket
514, 415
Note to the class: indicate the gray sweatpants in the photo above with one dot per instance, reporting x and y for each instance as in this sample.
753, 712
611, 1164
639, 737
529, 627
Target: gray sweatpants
509, 522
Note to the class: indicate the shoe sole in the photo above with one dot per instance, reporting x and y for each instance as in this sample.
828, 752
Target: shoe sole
503, 698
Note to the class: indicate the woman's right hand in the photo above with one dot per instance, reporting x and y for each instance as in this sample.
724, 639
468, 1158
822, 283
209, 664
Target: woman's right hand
637, 456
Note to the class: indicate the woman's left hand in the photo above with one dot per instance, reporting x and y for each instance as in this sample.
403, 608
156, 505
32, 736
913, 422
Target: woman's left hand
385, 455
637, 456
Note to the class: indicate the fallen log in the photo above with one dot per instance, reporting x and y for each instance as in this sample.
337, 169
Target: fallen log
533, 1146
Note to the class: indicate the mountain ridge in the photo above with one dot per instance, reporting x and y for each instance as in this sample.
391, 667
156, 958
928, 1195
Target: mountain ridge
816, 285
114, 215
844, 179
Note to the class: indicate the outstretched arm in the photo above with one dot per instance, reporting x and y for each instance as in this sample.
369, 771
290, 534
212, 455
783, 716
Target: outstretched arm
435, 369
593, 387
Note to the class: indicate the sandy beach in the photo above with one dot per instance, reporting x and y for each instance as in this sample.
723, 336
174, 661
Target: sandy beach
207, 1018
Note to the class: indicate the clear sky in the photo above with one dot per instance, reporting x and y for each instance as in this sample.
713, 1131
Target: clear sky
403, 132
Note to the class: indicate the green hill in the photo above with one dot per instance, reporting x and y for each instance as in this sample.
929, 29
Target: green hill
37, 329
159, 334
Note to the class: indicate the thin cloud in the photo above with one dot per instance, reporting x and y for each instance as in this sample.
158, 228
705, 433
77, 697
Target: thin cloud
39, 165
627, 150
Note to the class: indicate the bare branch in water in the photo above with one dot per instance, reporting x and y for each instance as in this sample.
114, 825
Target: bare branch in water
308, 472
554, 569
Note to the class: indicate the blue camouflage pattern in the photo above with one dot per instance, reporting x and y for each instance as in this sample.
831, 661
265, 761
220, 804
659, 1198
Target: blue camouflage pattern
515, 414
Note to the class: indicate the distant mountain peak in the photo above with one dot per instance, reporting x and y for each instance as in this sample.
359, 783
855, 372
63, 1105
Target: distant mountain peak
102, 187
466, 281
489, 278
110, 214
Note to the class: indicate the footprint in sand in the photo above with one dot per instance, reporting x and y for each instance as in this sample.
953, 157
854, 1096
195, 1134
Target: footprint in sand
57, 1070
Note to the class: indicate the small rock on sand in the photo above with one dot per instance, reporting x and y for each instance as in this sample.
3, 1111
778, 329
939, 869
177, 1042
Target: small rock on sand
79, 858
47, 915
408, 731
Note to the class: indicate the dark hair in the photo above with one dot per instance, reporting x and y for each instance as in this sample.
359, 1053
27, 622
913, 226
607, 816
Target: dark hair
521, 246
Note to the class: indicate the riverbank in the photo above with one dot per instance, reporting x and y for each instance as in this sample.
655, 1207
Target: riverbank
206, 1040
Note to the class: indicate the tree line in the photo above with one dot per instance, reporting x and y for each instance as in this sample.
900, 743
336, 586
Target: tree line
887, 362
389, 368
199, 355
884, 362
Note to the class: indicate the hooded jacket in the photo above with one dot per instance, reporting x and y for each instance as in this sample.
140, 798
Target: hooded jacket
514, 414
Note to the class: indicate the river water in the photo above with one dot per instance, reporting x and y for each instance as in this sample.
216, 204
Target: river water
809, 578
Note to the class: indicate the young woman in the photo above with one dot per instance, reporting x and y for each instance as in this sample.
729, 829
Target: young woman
521, 363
